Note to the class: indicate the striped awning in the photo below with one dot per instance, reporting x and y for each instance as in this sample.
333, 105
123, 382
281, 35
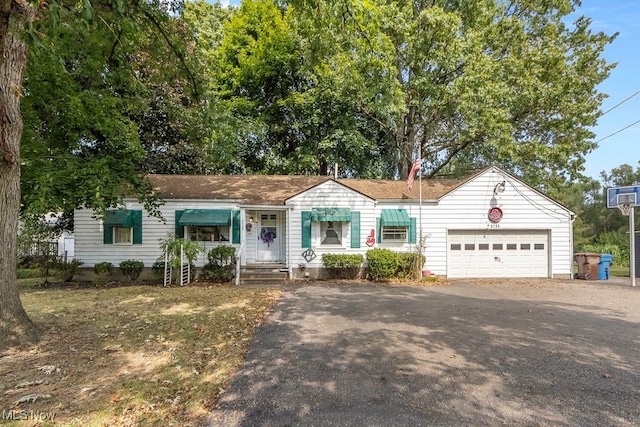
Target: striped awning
395, 218
205, 217
119, 218
330, 214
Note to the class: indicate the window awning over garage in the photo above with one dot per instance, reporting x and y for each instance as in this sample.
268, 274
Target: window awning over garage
395, 218
330, 214
205, 217
119, 218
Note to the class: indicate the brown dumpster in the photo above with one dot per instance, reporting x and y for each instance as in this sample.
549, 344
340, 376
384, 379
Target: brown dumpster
587, 265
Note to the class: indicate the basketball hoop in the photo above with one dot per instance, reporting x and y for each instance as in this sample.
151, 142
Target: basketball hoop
625, 208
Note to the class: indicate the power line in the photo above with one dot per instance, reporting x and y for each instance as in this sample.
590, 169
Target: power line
618, 131
620, 103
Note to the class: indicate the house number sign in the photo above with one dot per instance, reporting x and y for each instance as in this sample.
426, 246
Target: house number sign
495, 215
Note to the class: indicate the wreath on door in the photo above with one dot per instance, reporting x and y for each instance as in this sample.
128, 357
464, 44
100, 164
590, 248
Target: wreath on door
267, 235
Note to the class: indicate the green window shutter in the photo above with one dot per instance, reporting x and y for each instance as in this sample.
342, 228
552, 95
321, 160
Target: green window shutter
137, 227
379, 231
107, 235
412, 231
235, 227
179, 230
355, 229
306, 229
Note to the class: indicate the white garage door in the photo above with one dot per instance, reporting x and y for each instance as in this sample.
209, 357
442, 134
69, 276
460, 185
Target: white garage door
496, 253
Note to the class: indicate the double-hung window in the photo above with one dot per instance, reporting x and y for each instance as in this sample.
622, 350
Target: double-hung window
395, 226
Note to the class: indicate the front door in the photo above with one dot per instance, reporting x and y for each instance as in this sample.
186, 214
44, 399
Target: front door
269, 235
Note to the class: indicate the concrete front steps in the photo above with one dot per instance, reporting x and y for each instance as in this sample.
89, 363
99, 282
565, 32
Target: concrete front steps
263, 275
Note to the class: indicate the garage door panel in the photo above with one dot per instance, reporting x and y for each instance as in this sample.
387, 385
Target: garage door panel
484, 253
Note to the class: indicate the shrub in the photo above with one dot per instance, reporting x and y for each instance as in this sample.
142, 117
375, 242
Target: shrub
222, 255
132, 269
342, 260
29, 273
28, 261
383, 263
102, 271
221, 263
158, 268
68, 269
343, 265
102, 267
409, 265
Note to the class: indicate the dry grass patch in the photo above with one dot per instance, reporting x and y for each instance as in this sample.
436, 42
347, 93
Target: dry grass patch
136, 355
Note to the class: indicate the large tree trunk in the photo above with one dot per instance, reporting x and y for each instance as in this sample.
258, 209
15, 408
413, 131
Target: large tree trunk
15, 325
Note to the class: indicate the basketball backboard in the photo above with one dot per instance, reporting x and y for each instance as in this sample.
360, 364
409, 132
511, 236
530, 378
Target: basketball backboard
618, 195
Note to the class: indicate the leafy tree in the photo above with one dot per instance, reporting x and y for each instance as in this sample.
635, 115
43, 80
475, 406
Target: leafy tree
470, 83
293, 119
81, 90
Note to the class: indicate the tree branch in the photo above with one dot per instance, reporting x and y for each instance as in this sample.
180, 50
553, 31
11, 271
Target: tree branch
451, 155
191, 77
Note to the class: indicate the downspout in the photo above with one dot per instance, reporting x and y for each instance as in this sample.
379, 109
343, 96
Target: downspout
288, 257
572, 220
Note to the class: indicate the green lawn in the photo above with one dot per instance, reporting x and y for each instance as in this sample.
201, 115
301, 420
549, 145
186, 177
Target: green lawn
129, 355
618, 271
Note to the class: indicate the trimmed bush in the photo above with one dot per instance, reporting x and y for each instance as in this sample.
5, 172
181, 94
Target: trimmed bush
222, 261
342, 260
383, 263
68, 269
102, 271
158, 268
132, 269
343, 265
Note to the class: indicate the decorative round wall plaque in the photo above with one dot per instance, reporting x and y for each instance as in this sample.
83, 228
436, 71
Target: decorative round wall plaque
495, 215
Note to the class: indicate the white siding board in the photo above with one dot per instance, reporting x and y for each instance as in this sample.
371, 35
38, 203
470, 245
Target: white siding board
89, 234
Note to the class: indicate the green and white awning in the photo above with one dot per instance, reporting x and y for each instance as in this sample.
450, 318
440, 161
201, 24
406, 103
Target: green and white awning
330, 214
119, 218
395, 218
205, 217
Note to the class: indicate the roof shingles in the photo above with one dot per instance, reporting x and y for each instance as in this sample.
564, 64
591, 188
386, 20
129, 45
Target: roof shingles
276, 189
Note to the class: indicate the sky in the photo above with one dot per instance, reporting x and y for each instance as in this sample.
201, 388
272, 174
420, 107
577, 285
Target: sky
623, 17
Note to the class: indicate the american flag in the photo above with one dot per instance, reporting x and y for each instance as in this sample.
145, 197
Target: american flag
412, 173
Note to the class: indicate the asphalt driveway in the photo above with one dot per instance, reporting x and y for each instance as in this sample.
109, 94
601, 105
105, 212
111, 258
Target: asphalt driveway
532, 353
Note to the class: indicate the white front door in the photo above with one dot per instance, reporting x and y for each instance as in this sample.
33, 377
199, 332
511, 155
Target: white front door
269, 237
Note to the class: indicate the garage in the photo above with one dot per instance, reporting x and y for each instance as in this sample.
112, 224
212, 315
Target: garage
498, 253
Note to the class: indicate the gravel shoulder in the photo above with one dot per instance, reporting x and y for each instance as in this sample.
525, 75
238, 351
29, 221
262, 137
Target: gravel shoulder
517, 352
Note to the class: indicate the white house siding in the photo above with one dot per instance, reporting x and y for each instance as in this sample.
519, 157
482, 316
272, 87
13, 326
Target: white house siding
327, 195
524, 209
90, 249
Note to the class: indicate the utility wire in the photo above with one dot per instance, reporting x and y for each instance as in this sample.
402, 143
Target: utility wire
620, 103
618, 131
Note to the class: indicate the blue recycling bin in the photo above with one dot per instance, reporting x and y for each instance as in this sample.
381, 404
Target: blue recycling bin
603, 266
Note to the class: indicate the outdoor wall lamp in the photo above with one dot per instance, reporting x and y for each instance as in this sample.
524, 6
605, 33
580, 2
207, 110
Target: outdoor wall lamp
250, 219
499, 188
